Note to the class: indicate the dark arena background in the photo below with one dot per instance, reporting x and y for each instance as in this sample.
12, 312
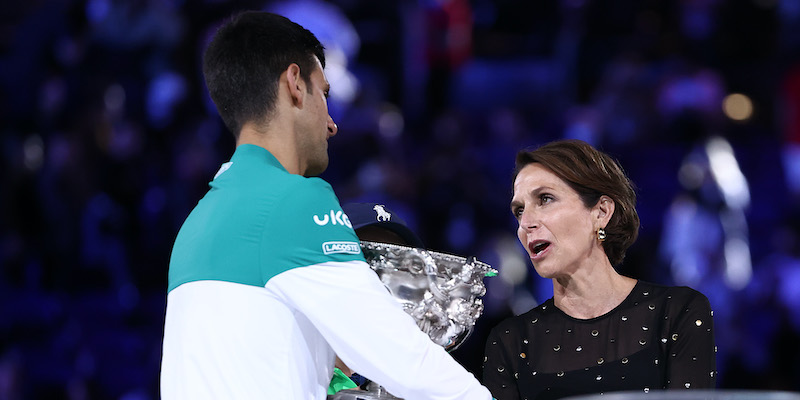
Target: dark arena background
108, 139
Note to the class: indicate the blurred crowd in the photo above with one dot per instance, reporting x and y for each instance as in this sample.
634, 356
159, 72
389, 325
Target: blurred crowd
108, 139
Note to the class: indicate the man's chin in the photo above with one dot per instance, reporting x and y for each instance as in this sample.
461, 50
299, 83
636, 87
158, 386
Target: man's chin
316, 169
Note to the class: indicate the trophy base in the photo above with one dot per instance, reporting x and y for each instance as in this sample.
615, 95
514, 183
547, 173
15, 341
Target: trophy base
373, 392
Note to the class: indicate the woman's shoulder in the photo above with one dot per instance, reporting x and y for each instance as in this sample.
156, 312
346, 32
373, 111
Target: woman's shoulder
669, 290
674, 294
531, 316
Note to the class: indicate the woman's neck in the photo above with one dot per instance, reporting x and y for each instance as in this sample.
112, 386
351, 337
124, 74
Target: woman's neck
591, 293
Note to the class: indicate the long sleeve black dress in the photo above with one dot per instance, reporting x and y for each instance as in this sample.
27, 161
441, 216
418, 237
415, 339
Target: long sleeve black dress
659, 337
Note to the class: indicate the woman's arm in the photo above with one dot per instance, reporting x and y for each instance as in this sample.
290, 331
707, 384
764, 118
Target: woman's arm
691, 358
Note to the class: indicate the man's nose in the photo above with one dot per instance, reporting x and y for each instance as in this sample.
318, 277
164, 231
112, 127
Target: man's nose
332, 127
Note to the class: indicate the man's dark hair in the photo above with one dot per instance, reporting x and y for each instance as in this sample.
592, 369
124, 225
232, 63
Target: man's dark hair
244, 61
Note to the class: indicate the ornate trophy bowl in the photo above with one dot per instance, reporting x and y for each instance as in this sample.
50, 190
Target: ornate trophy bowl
440, 291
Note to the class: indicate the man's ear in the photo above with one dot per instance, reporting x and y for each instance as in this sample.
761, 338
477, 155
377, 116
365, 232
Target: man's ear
296, 85
604, 210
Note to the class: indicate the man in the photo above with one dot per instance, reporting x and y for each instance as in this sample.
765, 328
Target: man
261, 266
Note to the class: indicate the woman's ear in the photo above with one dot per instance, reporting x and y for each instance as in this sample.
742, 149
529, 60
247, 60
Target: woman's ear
604, 210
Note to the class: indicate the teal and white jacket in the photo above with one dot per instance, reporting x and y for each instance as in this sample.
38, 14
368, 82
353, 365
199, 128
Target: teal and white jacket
258, 278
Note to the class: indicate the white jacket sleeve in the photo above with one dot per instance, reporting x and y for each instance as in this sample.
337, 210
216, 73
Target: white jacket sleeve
370, 332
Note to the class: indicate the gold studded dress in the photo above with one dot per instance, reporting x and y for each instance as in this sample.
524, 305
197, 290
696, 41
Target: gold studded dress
659, 337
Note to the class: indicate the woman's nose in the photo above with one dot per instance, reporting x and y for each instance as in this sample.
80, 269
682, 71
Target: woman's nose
528, 220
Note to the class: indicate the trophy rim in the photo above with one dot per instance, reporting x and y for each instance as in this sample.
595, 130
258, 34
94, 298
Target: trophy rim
487, 269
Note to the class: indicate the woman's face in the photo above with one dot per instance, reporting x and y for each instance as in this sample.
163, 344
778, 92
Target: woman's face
556, 229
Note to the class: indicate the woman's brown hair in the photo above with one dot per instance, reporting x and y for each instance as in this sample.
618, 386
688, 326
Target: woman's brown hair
592, 174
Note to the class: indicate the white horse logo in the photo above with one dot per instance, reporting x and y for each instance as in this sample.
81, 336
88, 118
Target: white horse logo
383, 215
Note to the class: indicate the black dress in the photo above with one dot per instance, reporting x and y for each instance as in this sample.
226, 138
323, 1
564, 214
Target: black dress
659, 337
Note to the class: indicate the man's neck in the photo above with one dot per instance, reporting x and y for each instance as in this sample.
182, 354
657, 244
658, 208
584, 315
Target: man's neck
279, 144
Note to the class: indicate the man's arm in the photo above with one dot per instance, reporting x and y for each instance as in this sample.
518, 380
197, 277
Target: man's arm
381, 341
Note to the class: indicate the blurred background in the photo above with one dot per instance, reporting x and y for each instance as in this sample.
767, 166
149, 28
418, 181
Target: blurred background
108, 139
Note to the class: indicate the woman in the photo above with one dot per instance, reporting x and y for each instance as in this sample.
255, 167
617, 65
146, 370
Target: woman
601, 331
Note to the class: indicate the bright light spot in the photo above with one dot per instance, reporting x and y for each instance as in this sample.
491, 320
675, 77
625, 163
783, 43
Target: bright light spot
163, 93
737, 258
737, 107
726, 170
344, 85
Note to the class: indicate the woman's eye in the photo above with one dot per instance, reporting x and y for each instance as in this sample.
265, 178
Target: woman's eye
517, 211
545, 198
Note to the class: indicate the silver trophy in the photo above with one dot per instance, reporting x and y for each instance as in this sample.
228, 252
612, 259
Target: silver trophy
440, 291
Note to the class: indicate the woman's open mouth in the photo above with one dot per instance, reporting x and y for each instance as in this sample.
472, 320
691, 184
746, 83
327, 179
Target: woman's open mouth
537, 248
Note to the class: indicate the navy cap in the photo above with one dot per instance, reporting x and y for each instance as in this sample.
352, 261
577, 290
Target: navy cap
373, 214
